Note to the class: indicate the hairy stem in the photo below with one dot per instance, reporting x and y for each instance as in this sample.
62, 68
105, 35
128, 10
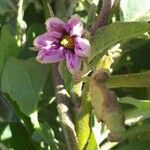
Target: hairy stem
63, 110
62, 97
138, 80
82, 111
103, 16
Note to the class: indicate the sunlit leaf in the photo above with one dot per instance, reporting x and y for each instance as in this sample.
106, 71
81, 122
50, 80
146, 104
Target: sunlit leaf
23, 80
92, 144
109, 35
139, 113
132, 10
45, 134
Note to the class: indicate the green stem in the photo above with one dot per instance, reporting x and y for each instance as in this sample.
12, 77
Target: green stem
138, 80
21, 25
82, 114
46, 9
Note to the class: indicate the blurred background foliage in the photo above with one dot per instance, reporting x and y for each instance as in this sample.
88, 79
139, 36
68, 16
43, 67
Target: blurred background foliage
28, 111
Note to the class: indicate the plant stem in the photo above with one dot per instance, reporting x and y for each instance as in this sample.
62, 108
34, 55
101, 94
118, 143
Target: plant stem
62, 97
21, 25
103, 16
82, 112
63, 109
137, 80
46, 9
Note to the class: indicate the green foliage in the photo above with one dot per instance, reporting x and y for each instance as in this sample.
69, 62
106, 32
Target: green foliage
11, 5
23, 80
92, 143
135, 145
7, 6
82, 118
33, 31
140, 112
130, 80
45, 133
132, 10
12, 132
8, 48
29, 119
113, 33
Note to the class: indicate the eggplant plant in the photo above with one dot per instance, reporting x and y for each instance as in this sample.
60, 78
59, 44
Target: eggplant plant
74, 74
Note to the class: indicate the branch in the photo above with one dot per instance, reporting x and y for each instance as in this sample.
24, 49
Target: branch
63, 110
137, 80
103, 16
21, 25
62, 97
81, 112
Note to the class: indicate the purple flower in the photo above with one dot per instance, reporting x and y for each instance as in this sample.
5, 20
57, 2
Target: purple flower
63, 41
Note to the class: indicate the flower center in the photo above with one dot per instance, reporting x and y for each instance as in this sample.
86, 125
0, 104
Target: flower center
68, 42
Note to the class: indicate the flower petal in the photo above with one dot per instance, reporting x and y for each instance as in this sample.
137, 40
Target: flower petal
82, 47
76, 26
51, 56
55, 24
73, 62
56, 34
44, 41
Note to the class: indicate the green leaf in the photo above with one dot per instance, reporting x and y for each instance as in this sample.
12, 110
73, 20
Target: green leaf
23, 80
137, 145
109, 35
91, 15
82, 118
7, 113
33, 31
139, 113
8, 46
11, 5
45, 134
132, 10
10, 133
139, 132
92, 144
3, 147
67, 77
61, 10
7, 6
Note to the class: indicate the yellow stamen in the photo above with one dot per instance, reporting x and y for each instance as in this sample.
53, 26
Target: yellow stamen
68, 42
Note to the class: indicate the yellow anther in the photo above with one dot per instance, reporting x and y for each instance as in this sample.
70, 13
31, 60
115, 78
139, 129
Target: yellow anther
68, 42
